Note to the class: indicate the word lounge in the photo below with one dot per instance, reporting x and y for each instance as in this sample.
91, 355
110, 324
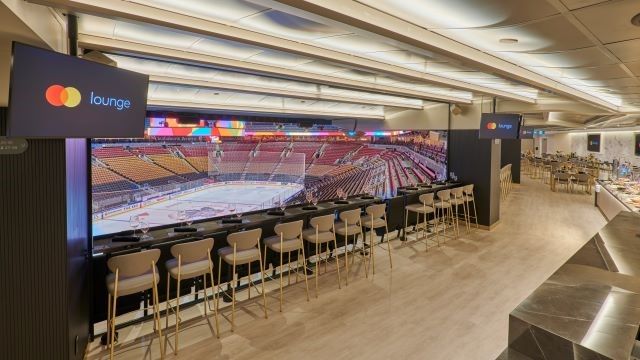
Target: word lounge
119, 104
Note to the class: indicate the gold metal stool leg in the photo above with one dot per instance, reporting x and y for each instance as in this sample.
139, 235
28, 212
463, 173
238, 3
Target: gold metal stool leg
264, 295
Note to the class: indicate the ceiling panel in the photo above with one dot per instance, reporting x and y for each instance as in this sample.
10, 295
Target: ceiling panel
596, 73
230, 10
590, 56
634, 67
355, 43
626, 50
225, 48
320, 67
551, 34
401, 57
465, 13
611, 21
282, 24
279, 58
576, 4
612, 83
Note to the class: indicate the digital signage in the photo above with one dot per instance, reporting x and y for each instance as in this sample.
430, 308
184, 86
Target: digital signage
593, 142
499, 126
54, 95
526, 132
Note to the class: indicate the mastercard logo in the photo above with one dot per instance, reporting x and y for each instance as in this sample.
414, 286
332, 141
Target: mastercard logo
491, 126
58, 95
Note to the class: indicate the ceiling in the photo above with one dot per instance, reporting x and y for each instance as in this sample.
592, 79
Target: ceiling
372, 58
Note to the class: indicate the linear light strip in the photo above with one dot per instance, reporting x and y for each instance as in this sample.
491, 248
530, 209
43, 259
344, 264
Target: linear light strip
250, 108
275, 92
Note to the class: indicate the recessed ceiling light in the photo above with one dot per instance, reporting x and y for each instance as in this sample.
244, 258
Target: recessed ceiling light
508, 41
636, 20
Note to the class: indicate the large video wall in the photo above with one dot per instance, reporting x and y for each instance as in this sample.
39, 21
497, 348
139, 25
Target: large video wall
161, 180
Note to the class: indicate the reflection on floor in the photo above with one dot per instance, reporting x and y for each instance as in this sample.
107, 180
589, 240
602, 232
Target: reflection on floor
449, 303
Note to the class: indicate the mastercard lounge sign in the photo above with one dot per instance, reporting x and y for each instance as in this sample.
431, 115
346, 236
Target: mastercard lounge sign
58, 96
492, 126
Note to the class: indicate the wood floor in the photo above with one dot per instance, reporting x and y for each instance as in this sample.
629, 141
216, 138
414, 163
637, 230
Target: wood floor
449, 303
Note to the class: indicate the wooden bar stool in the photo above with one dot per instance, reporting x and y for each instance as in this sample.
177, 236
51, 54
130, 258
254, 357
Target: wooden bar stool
424, 207
243, 249
323, 232
376, 218
130, 274
350, 225
470, 199
287, 240
191, 260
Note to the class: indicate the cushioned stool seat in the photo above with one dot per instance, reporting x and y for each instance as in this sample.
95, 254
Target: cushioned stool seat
242, 256
188, 270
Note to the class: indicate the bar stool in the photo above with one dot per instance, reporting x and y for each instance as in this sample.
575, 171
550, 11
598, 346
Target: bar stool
350, 225
191, 260
287, 240
376, 218
425, 207
243, 249
323, 232
470, 198
456, 201
444, 206
130, 274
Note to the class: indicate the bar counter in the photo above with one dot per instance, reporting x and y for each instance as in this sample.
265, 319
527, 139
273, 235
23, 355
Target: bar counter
590, 307
164, 237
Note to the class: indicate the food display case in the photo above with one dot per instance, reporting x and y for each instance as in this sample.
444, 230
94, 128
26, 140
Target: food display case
614, 196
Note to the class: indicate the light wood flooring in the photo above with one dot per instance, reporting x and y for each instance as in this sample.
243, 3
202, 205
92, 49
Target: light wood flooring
449, 303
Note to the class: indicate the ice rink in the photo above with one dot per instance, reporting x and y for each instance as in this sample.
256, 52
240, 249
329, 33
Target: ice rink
214, 201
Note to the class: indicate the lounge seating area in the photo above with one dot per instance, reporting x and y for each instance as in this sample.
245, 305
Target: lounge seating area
300, 254
571, 175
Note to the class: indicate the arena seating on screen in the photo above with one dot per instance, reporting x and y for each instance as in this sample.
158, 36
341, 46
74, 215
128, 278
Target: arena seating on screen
177, 165
327, 166
309, 150
290, 169
331, 153
273, 146
141, 171
105, 180
197, 155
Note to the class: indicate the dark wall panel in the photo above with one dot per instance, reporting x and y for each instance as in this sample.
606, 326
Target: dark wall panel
33, 258
77, 246
477, 161
43, 243
510, 154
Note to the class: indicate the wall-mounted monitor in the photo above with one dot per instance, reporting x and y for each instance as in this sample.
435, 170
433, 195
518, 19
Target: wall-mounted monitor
526, 132
593, 142
159, 181
53, 95
637, 147
499, 126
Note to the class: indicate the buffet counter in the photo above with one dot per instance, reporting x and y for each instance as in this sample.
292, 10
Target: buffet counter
589, 308
616, 196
